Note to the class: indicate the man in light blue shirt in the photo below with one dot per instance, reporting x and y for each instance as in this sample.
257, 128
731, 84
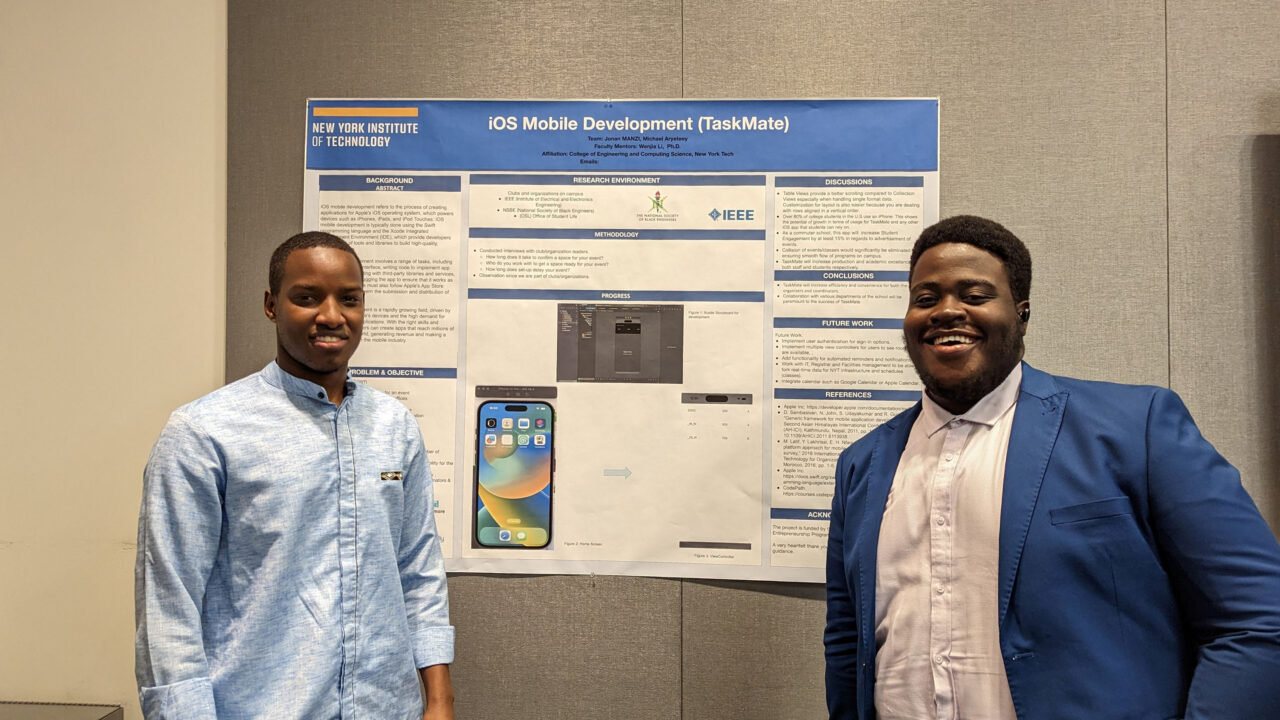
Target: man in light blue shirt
288, 563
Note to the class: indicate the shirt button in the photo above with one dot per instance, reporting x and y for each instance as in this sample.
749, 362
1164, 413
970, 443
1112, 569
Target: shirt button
941, 520
947, 457
937, 659
940, 589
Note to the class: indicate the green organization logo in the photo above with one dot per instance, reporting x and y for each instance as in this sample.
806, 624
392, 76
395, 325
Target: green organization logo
656, 202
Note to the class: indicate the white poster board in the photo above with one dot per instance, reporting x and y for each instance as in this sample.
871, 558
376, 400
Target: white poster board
707, 294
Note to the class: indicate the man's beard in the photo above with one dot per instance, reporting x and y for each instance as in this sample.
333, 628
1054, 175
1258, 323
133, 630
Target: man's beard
969, 391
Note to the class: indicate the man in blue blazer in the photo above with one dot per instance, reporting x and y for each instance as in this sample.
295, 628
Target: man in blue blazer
1031, 547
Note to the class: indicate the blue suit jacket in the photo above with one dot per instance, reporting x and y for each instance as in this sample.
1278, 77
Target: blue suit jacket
1137, 578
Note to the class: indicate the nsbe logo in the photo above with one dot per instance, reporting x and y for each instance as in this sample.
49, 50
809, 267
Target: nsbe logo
732, 214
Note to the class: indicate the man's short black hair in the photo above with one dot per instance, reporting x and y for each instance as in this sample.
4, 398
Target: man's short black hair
986, 235
304, 241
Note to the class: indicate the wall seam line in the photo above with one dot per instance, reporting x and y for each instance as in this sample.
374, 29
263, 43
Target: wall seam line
682, 582
680, 684
1168, 223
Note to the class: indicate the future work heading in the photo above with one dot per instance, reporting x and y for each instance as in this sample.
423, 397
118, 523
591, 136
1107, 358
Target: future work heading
703, 124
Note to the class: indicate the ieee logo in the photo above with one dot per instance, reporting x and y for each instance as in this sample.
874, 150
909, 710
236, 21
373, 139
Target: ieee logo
732, 214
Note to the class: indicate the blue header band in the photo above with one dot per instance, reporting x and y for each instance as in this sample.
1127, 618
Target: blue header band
629, 136
798, 514
845, 181
841, 275
839, 323
384, 182
416, 373
842, 394
613, 296
616, 234
617, 180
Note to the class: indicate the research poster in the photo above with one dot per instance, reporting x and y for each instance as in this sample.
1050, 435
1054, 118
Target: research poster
636, 334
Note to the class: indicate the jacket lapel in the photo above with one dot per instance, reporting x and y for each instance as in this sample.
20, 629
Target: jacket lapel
1036, 421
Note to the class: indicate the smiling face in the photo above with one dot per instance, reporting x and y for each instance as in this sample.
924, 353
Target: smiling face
318, 312
962, 328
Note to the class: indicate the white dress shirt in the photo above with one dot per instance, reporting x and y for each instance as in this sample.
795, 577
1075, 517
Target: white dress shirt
937, 635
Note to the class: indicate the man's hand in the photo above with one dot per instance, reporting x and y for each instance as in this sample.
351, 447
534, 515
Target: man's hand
439, 692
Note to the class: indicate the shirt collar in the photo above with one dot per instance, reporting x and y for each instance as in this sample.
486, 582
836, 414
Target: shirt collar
985, 412
276, 376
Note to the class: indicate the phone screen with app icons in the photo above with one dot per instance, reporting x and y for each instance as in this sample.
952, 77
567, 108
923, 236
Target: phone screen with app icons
514, 464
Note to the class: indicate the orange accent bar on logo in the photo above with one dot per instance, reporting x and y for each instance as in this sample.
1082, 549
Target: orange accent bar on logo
364, 112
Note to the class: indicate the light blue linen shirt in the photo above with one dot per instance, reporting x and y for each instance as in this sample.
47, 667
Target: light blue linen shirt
288, 564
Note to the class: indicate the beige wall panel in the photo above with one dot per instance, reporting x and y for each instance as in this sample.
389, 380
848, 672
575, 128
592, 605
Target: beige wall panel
1224, 230
70, 610
753, 651
571, 648
285, 52
112, 194
1052, 122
